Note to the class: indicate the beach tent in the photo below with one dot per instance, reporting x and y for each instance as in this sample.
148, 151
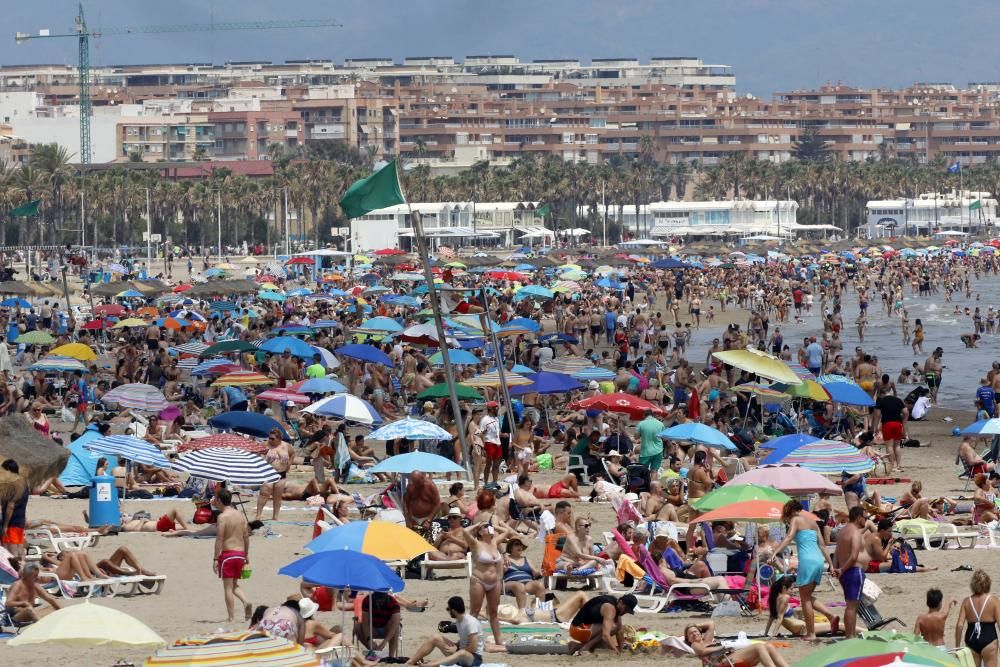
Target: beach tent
82, 464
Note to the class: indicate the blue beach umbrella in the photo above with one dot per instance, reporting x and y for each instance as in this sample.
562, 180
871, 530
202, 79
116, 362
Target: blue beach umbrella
594, 373
321, 386
249, 423
456, 357
366, 353
416, 461
845, 390
282, 344
983, 428
129, 448
348, 407
789, 442
345, 569
699, 433
14, 302
525, 323
545, 382
411, 429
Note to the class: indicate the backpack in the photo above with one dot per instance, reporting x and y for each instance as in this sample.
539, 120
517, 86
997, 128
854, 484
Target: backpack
904, 560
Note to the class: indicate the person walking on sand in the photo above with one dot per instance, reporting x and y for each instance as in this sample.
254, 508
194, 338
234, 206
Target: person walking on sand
852, 559
232, 552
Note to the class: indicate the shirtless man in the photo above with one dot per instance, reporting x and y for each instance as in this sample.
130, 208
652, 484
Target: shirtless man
656, 506
851, 559
527, 503
421, 501
880, 546
974, 463
451, 544
932, 372
564, 518
22, 595
232, 552
699, 483
930, 625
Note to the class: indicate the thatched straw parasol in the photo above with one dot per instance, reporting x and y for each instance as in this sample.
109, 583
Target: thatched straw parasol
39, 457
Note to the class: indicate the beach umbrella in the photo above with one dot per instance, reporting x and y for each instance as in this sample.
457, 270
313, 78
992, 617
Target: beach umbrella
525, 323
809, 389
492, 379
827, 457
411, 428
57, 364
567, 365
129, 448
790, 441
326, 357
752, 511
282, 344
843, 389
251, 648
75, 350
456, 357
534, 292
250, 423
441, 391
669, 264
983, 428
172, 323
94, 325
228, 440
344, 568
86, 625
130, 322
762, 390
346, 406
112, 309
620, 403
226, 464
701, 434
759, 363
242, 379
227, 346
195, 347
215, 367
559, 338
367, 353
859, 652
283, 395
319, 386
381, 539
36, 337
136, 396
596, 373
738, 493
15, 302
545, 382
292, 329
405, 464
793, 480
130, 294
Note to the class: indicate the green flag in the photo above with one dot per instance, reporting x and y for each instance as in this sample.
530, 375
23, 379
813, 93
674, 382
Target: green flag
26, 210
542, 211
380, 190
976, 205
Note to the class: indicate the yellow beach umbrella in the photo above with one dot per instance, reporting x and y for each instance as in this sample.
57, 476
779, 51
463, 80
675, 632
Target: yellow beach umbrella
457, 265
226, 266
810, 389
362, 259
75, 350
85, 625
759, 363
382, 539
130, 322
269, 285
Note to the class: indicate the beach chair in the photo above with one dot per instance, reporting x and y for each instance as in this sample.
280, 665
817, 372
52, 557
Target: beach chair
428, 567
106, 587
52, 539
871, 617
932, 535
575, 465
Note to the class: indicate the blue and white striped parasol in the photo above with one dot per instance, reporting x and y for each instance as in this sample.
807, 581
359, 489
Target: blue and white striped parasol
346, 406
594, 373
56, 364
411, 429
132, 449
205, 367
227, 464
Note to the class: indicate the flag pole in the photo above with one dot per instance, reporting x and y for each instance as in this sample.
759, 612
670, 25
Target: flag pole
456, 408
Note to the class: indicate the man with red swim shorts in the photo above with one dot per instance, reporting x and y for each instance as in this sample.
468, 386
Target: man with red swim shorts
889, 410
489, 431
232, 552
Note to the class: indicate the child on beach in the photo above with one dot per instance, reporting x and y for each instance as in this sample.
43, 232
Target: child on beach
930, 625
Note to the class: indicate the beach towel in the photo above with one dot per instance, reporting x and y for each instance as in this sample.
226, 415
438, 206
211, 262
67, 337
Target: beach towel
627, 566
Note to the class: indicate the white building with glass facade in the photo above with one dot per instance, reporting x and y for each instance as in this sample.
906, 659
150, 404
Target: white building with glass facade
707, 218
929, 213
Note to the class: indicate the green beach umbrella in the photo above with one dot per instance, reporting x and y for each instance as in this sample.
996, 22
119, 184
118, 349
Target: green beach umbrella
907, 651
463, 392
35, 338
228, 346
738, 493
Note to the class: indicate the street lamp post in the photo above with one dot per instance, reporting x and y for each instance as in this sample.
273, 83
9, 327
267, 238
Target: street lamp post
219, 204
149, 235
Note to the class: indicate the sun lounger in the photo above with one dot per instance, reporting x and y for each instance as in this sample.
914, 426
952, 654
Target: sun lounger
428, 566
52, 539
107, 587
934, 535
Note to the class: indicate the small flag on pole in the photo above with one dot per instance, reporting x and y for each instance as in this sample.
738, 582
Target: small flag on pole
955, 168
542, 211
26, 210
976, 205
380, 190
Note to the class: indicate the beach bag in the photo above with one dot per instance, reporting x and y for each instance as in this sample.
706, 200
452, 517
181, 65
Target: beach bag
203, 513
904, 560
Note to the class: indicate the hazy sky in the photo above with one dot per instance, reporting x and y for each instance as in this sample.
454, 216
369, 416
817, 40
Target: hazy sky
771, 44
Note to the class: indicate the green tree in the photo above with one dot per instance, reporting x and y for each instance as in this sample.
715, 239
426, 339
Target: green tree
810, 146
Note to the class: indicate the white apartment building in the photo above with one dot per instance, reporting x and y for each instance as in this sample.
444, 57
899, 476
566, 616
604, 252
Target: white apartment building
930, 212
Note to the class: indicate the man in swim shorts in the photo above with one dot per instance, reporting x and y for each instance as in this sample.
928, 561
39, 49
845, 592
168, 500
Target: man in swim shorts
852, 559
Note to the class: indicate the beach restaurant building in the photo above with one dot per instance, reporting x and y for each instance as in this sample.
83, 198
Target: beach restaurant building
740, 217
930, 213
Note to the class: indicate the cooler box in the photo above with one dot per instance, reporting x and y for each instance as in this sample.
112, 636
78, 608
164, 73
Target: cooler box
104, 502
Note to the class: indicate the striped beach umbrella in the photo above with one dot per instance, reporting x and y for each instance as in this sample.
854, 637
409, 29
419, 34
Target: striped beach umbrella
215, 367
187, 363
492, 379
283, 395
55, 363
567, 365
242, 379
136, 396
594, 373
195, 347
229, 440
226, 464
129, 448
236, 648
348, 407
827, 457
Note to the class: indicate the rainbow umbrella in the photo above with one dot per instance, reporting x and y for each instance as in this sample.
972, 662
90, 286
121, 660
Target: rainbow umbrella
242, 379
382, 539
738, 493
234, 648
855, 652
827, 457
283, 395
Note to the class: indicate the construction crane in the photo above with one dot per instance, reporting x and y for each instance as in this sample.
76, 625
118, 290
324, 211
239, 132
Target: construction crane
83, 34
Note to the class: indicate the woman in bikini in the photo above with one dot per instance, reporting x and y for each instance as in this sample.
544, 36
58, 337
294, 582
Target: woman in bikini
486, 582
984, 501
980, 612
701, 638
281, 457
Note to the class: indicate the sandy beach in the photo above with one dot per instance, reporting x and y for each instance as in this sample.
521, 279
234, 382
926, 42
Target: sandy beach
191, 601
